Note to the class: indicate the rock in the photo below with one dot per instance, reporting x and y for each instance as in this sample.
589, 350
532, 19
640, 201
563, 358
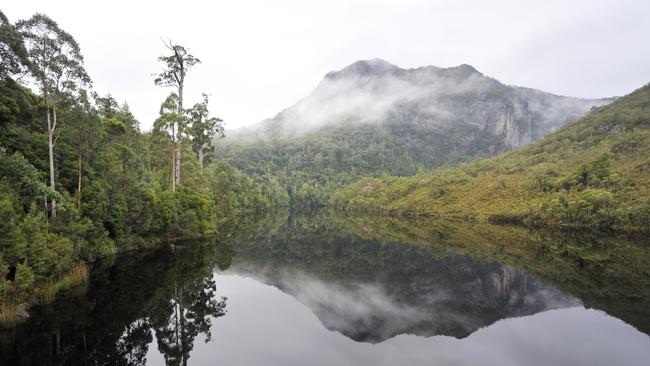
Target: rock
22, 312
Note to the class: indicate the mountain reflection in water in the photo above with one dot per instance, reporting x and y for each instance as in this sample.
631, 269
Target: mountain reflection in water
372, 280
451, 296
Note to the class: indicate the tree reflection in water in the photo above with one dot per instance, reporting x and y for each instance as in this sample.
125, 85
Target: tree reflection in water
187, 314
169, 293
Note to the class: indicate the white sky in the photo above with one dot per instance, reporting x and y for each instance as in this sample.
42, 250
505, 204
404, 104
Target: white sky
262, 56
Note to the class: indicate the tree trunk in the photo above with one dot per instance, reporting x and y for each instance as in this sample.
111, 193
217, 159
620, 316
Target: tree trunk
177, 167
201, 158
173, 151
183, 330
50, 146
79, 187
178, 137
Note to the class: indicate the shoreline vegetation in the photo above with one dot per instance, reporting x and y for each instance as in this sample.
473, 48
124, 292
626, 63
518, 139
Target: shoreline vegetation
74, 282
591, 173
80, 180
498, 219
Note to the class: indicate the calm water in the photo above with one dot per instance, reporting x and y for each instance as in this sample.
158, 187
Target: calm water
326, 289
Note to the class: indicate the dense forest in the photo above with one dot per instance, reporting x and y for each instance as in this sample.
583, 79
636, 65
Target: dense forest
310, 168
593, 172
79, 179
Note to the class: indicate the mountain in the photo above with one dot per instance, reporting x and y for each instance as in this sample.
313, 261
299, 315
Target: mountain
375, 91
592, 172
373, 117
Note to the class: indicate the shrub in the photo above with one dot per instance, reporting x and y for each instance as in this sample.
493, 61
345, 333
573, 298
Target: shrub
24, 280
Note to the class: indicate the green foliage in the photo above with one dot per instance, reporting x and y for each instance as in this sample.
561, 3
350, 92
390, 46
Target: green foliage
54, 56
177, 63
113, 182
203, 129
13, 56
24, 177
25, 278
592, 172
311, 167
588, 207
30, 241
596, 173
169, 116
234, 191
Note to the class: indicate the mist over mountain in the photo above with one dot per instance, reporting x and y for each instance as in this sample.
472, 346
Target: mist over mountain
375, 91
373, 117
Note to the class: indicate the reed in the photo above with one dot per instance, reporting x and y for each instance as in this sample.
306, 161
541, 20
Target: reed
46, 293
79, 274
8, 314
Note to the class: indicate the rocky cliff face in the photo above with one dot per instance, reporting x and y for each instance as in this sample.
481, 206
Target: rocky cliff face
377, 92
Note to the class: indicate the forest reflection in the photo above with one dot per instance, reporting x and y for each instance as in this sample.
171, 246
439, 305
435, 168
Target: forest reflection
168, 294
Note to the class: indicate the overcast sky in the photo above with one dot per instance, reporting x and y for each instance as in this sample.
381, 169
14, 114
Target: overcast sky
261, 56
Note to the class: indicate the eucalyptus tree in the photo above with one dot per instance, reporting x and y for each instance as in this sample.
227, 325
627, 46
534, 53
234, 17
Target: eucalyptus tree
84, 133
177, 64
203, 129
56, 65
170, 120
13, 56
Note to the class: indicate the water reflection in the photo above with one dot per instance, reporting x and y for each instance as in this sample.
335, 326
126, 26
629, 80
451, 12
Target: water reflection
167, 294
451, 296
321, 288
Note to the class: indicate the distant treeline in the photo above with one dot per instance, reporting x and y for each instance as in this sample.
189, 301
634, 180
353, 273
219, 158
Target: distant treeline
309, 168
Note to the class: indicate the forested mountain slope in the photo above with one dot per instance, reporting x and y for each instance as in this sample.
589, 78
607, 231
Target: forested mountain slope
592, 172
373, 117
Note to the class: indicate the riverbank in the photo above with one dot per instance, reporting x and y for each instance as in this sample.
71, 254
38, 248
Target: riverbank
14, 306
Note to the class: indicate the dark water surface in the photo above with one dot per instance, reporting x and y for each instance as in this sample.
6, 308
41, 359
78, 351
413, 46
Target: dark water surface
328, 289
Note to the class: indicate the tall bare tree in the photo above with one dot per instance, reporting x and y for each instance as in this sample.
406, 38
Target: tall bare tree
56, 65
170, 120
177, 64
84, 132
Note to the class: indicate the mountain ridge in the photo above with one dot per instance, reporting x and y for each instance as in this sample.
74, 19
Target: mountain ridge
375, 90
372, 118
